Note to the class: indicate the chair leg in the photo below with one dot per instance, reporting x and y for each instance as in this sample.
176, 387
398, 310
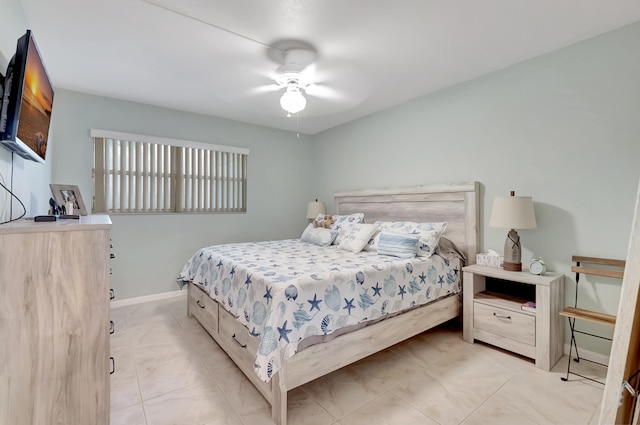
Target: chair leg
573, 338
571, 345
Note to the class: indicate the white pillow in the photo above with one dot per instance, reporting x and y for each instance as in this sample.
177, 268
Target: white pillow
342, 224
318, 235
356, 236
372, 245
429, 234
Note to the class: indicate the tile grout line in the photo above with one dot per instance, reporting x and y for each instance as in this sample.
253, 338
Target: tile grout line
487, 399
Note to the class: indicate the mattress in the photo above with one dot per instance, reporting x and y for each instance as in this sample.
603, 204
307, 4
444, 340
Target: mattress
289, 290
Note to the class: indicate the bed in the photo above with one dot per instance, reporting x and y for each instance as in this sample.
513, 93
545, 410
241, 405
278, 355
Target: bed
279, 308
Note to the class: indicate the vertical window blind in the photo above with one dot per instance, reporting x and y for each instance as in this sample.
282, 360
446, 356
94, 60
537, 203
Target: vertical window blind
146, 174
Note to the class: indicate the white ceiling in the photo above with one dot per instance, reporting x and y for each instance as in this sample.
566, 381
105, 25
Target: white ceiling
372, 54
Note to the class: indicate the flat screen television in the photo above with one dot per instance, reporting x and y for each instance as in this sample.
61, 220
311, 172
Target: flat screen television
26, 103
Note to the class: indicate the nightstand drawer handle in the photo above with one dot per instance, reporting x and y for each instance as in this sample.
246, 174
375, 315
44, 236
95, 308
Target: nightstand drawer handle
501, 316
199, 305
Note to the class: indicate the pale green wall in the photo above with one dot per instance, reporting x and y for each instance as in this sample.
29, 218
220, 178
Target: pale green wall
30, 179
563, 128
151, 249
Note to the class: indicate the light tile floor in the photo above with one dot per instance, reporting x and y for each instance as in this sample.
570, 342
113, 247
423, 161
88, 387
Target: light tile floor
170, 372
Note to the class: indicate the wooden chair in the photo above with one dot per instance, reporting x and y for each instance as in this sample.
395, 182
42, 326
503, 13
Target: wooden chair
598, 267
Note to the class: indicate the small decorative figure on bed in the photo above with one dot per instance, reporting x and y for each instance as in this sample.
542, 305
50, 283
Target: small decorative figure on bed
324, 221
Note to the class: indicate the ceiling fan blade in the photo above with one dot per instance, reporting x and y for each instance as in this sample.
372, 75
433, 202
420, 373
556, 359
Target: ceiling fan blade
323, 92
267, 88
309, 72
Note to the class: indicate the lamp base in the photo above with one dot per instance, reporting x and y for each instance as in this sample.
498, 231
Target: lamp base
512, 250
512, 267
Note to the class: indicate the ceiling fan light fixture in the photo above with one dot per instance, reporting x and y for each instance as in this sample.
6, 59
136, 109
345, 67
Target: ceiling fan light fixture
292, 100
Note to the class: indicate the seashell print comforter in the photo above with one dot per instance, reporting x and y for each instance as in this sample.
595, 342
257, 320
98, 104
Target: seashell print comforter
284, 291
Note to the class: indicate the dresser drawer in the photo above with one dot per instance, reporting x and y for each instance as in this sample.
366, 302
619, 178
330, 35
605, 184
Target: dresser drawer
242, 348
204, 309
507, 323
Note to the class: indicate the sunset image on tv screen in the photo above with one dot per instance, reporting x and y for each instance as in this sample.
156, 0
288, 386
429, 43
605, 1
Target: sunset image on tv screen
37, 101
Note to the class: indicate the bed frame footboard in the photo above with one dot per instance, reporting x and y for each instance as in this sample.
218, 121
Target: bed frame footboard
321, 359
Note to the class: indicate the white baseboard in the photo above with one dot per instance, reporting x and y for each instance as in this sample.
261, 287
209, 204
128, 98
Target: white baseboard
147, 298
591, 355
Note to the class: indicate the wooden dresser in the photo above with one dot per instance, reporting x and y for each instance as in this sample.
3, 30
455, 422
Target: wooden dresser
54, 322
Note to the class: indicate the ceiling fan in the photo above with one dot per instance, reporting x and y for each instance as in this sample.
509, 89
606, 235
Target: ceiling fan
295, 76
293, 80
296, 70
332, 85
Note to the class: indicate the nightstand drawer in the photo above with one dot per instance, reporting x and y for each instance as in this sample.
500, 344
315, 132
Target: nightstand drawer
507, 323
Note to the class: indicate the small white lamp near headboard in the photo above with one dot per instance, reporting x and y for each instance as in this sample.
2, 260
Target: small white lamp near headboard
513, 212
315, 208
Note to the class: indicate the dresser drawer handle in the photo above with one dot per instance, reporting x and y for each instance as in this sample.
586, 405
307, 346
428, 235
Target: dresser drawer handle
199, 305
501, 316
113, 366
238, 342
112, 327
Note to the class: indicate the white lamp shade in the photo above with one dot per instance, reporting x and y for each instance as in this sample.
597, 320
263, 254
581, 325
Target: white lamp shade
293, 101
513, 212
315, 208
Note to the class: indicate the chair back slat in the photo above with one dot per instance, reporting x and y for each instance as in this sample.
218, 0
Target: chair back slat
600, 261
608, 271
598, 272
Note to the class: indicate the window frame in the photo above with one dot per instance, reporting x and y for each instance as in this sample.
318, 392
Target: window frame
217, 175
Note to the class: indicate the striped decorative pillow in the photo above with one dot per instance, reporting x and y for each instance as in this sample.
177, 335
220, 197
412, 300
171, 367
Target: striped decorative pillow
398, 245
429, 234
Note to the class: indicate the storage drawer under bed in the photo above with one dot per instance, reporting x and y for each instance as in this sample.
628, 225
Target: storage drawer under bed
204, 309
230, 335
235, 339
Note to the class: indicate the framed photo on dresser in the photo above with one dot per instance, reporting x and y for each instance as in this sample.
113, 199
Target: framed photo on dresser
69, 196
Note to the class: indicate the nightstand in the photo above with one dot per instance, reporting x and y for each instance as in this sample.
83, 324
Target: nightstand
492, 299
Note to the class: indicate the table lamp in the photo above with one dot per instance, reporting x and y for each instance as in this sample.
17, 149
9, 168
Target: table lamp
513, 212
315, 208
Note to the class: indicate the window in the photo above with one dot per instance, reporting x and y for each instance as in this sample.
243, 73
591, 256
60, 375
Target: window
145, 174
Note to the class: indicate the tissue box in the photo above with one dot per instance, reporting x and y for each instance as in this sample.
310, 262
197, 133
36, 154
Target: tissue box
489, 260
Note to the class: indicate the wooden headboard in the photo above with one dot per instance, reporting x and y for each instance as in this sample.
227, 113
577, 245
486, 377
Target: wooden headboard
455, 203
